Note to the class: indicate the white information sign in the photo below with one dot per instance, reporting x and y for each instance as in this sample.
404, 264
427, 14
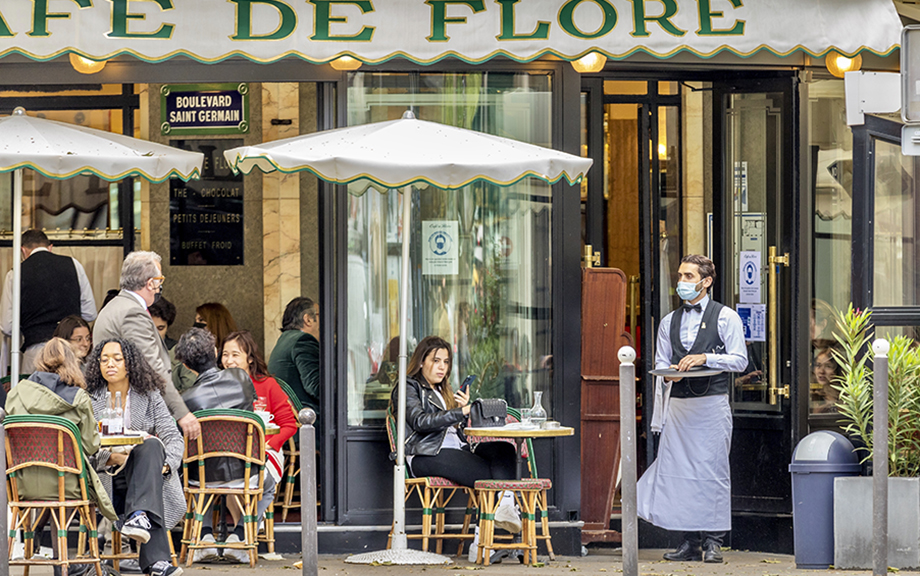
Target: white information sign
749, 277
754, 319
440, 249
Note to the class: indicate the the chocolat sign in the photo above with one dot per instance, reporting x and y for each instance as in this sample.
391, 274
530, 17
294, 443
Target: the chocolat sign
206, 216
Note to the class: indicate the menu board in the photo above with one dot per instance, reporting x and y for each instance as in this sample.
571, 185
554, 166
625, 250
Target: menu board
206, 215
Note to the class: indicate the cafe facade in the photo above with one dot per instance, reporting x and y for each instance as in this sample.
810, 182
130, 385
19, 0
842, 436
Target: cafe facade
716, 127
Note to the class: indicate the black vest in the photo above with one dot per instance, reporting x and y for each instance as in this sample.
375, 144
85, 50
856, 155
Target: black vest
50, 291
707, 341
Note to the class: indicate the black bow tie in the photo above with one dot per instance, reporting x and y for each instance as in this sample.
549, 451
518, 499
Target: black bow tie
688, 307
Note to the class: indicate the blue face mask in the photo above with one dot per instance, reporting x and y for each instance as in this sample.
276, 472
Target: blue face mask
687, 290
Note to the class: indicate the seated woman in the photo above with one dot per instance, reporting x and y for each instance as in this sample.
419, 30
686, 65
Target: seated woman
75, 330
827, 374
56, 389
145, 482
216, 319
435, 418
241, 351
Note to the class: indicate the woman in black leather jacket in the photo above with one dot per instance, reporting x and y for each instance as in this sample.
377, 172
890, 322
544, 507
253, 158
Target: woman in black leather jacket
435, 417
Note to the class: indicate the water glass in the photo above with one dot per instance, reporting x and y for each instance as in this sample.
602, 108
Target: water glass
525, 416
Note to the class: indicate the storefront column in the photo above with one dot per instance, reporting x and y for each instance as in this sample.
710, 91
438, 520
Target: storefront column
696, 147
280, 211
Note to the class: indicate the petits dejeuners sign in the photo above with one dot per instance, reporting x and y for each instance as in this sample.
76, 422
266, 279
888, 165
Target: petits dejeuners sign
426, 31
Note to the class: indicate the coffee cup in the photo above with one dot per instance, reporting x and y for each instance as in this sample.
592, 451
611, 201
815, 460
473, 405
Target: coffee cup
266, 417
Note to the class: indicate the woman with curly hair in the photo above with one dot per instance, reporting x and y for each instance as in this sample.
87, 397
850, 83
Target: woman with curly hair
146, 479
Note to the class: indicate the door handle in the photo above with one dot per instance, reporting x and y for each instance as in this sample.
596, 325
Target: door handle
590, 258
633, 304
775, 262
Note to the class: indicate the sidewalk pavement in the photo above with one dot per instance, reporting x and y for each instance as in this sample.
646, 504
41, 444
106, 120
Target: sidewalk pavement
598, 562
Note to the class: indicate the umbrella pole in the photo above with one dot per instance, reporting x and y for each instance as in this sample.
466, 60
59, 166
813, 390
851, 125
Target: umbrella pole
399, 552
15, 354
399, 471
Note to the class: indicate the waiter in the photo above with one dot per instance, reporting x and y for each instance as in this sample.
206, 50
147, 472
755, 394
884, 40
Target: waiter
688, 487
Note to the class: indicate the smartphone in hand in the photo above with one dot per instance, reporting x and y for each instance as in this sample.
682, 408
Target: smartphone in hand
467, 382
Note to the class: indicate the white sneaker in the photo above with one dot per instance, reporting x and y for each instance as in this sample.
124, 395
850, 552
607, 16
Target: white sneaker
474, 547
507, 518
206, 554
235, 555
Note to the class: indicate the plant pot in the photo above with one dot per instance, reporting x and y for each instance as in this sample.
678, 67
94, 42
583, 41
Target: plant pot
853, 523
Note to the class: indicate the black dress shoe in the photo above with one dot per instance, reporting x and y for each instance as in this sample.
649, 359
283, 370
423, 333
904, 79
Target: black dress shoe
686, 552
712, 553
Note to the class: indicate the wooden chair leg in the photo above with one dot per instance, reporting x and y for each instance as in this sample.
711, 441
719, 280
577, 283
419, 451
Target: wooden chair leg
544, 523
486, 526
426, 516
270, 527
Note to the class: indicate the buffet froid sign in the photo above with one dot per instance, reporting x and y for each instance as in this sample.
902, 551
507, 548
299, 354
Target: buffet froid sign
374, 31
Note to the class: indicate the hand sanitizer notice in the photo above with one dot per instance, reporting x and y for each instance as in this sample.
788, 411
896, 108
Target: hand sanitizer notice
749, 277
440, 247
754, 319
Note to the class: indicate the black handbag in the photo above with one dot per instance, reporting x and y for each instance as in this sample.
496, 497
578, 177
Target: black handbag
488, 413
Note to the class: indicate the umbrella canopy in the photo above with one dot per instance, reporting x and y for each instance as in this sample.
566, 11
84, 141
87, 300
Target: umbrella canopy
397, 154
60, 150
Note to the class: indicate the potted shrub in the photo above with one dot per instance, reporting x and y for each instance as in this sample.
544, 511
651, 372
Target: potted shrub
853, 496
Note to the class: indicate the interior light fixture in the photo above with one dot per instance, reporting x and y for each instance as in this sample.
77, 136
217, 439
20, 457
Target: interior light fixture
590, 62
345, 63
838, 64
85, 65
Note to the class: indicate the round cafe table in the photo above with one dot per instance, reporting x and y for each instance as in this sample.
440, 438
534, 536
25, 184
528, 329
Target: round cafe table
518, 434
122, 440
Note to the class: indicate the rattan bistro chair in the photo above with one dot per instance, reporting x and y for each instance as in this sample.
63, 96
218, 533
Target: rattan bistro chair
434, 493
225, 433
50, 442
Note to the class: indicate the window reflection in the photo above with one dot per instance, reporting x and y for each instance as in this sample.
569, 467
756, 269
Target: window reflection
493, 302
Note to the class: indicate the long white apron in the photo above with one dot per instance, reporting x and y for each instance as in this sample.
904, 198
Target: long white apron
688, 487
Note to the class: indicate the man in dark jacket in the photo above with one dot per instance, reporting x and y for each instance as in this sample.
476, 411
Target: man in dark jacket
53, 287
295, 358
214, 388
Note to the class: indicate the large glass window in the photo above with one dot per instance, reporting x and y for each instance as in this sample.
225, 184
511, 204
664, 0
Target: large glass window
894, 264
831, 149
492, 298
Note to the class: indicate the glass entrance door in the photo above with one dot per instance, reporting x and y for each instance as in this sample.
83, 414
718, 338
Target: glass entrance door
751, 235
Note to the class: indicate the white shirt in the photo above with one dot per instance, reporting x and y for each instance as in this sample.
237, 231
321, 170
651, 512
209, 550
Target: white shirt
731, 331
87, 301
139, 298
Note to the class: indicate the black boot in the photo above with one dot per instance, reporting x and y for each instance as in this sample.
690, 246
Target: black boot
712, 553
686, 552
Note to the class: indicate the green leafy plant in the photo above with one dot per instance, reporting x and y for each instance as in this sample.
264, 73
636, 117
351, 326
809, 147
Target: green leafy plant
856, 388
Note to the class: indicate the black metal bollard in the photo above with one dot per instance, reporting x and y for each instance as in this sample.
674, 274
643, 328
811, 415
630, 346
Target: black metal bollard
309, 543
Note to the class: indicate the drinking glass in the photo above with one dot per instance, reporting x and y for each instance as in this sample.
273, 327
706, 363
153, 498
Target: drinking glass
525, 417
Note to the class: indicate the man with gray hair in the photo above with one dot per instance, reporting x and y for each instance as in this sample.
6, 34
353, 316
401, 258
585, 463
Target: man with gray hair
126, 316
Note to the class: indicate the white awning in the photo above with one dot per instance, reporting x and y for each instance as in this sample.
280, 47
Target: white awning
475, 31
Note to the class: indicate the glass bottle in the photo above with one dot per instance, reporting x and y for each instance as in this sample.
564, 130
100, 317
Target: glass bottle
118, 421
537, 413
107, 414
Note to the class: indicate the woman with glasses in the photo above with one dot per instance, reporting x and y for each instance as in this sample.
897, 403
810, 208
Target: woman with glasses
75, 330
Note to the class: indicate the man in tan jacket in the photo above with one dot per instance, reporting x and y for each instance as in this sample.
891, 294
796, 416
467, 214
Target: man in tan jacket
126, 317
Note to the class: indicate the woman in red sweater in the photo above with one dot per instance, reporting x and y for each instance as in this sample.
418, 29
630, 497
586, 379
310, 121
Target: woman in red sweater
240, 350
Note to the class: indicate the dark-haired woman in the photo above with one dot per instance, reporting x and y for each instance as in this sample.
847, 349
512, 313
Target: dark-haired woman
75, 330
435, 417
145, 480
216, 319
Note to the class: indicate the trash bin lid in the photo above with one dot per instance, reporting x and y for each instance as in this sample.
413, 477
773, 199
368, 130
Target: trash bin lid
824, 451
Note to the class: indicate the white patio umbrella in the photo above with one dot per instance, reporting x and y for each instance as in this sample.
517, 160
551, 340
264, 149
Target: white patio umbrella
59, 150
397, 154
